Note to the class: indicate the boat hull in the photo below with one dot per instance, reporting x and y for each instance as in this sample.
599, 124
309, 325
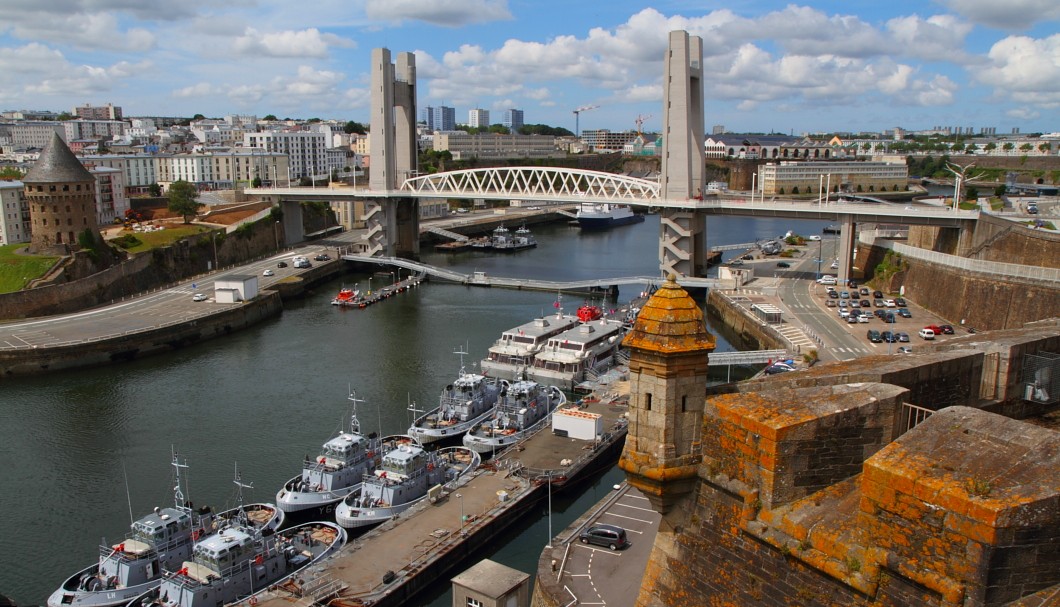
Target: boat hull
453, 432
607, 222
296, 501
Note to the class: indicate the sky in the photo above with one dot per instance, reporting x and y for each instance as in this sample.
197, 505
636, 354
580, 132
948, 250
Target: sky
802, 67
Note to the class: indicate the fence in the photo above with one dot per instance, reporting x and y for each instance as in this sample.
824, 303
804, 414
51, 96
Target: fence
1006, 270
912, 415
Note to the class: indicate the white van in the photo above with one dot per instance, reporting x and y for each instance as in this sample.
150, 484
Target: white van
926, 333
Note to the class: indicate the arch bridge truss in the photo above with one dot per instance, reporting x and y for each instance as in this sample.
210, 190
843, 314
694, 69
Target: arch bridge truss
534, 183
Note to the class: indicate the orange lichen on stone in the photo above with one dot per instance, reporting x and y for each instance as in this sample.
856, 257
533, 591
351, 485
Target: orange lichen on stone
670, 322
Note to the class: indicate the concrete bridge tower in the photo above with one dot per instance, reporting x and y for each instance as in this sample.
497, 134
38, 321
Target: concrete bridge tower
682, 241
669, 349
393, 225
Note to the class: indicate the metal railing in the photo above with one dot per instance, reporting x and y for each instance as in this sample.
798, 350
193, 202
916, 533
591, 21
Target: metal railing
1007, 270
912, 416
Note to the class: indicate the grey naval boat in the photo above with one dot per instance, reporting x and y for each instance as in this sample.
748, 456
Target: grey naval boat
335, 472
523, 409
239, 562
160, 540
462, 404
402, 481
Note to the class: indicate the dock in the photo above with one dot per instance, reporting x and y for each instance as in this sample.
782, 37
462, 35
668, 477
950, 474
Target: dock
393, 562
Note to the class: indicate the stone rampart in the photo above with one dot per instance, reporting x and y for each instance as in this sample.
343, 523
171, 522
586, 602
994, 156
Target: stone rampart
748, 329
963, 510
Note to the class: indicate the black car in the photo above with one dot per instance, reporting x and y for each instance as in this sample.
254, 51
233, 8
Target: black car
879, 314
322, 257
874, 336
898, 301
612, 536
865, 303
888, 337
877, 294
783, 264
833, 295
748, 257
904, 313
889, 317
282, 264
946, 329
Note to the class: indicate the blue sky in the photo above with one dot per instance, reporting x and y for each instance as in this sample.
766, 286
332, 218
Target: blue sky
770, 66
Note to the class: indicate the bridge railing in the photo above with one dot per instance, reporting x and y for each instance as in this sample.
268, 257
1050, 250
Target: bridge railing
1008, 270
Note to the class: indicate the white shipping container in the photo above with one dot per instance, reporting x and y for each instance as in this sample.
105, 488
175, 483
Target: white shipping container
577, 424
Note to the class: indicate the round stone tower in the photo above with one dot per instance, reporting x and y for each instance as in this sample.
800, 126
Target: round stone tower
669, 348
61, 194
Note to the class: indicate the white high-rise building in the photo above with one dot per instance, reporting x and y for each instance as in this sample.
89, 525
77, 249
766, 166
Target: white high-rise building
478, 118
306, 151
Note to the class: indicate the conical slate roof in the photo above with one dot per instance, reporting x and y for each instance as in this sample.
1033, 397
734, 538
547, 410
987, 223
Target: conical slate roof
670, 322
57, 164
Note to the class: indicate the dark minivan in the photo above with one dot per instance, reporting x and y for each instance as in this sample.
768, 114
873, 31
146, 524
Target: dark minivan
612, 536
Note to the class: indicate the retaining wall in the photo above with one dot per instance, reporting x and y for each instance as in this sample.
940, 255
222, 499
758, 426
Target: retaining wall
752, 331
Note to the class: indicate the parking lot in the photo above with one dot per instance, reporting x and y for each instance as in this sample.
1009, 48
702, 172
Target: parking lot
878, 314
601, 576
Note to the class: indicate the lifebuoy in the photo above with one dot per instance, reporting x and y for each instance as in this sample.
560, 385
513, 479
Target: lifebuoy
253, 600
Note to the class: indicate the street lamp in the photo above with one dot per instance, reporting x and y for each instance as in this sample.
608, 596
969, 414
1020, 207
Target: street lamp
820, 254
461, 498
754, 176
549, 510
370, 288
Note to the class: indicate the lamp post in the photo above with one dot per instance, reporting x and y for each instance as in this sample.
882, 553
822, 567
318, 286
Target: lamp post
549, 545
754, 176
820, 254
460, 497
820, 192
828, 189
370, 292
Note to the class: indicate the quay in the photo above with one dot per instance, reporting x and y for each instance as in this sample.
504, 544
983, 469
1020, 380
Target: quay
391, 563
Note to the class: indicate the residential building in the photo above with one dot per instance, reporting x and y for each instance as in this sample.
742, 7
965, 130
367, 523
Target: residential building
478, 118
223, 170
444, 118
93, 129
513, 119
427, 117
306, 151
14, 213
29, 115
140, 170
35, 134
866, 177
97, 112
111, 201
493, 145
603, 139
766, 147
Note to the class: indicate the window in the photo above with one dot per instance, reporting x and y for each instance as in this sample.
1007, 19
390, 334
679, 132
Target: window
647, 401
684, 403
474, 602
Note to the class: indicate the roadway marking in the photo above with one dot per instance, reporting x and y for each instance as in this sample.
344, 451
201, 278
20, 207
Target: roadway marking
601, 550
634, 507
628, 518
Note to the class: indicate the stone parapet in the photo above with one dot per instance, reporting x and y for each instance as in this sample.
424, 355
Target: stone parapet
789, 443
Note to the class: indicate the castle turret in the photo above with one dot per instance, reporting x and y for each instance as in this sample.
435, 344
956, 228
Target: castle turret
669, 348
61, 194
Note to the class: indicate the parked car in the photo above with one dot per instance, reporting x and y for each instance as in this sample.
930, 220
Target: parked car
736, 262
888, 337
783, 264
879, 314
844, 303
877, 294
853, 286
946, 329
889, 303
844, 294
282, 264
855, 303
830, 303
900, 302
863, 318
865, 303
889, 317
748, 257
853, 319
199, 297
827, 279
874, 336
864, 290
612, 536
904, 313
905, 350
926, 333
937, 330
815, 237
835, 265
878, 303
902, 337
833, 295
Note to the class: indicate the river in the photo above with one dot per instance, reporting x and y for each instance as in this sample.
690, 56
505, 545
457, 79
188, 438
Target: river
74, 445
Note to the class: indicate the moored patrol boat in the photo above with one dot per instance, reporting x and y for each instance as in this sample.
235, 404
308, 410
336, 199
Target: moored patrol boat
524, 408
462, 404
402, 481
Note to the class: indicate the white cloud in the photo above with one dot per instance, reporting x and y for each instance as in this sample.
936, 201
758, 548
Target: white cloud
89, 31
1007, 15
36, 69
1023, 113
202, 89
308, 43
938, 38
1025, 68
447, 13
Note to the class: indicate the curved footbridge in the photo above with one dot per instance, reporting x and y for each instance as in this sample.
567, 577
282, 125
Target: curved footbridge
485, 280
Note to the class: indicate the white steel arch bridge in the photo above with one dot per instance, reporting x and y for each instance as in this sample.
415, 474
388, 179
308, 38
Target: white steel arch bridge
546, 184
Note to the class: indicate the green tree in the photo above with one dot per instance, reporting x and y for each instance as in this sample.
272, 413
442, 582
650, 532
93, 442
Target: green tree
256, 182
182, 199
155, 190
354, 127
66, 116
198, 117
971, 193
499, 128
1000, 190
271, 117
1009, 146
1026, 147
313, 120
990, 147
8, 173
1044, 147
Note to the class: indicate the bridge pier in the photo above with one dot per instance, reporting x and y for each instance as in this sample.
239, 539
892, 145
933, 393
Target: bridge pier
847, 236
293, 230
683, 243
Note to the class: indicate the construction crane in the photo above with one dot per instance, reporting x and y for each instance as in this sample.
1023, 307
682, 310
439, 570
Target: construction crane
640, 123
577, 115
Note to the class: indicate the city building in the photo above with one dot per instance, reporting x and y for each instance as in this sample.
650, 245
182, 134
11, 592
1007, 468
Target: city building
141, 170
444, 118
785, 177
93, 129
306, 151
478, 118
60, 193
97, 112
35, 134
766, 147
604, 140
223, 170
111, 201
463, 145
513, 119
14, 213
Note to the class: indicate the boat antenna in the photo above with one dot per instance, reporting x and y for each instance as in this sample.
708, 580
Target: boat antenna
241, 512
355, 424
462, 352
128, 498
412, 407
178, 491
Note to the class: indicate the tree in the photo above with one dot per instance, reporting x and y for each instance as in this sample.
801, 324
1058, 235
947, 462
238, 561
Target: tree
1044, 148
256, 182
198, 117
270, 117
1026, 147
313, 120
8, 173
66, 116
990, 147
354, 127
1000, 190
1008, 147
972, 193
155, 190
182, 199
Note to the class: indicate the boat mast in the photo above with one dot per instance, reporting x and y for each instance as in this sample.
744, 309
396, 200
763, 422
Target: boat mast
178, 491
355, 424
241, 514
